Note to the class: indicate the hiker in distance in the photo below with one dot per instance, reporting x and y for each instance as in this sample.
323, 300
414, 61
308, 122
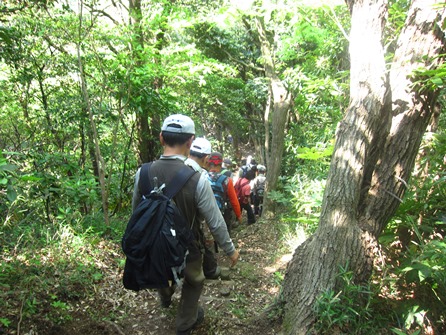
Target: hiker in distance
198, 160
227, 168
243, 190
224, 191
258, 189
195, 200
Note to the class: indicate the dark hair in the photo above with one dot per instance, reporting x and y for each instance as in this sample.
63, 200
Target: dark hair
250, 174
197, 154
173, 139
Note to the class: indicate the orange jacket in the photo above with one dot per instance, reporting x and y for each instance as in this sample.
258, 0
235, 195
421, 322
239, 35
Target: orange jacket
232, 196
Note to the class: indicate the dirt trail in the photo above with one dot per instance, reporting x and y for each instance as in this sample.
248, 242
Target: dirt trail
231, 306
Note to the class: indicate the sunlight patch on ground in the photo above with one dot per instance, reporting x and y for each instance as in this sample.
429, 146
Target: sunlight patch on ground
281, 262
274, 290
296, 239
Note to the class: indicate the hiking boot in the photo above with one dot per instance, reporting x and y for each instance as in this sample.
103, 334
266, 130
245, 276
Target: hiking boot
200, 318
165, 303
165, 295
215, 275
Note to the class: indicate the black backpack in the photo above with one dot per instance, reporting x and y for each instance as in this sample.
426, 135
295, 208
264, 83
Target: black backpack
157, 235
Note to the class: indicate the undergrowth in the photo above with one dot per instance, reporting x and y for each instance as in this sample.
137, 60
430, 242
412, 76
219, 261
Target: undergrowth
46, 269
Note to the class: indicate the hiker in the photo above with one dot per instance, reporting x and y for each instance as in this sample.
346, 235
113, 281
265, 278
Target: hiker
243, 169
194, 200
229, 215
198, 160
243, 190
253, 168
258, 189
227, 167
224, 191
199, 154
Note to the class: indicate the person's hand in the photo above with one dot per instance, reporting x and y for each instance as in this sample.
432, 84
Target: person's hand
239, 219
234, 258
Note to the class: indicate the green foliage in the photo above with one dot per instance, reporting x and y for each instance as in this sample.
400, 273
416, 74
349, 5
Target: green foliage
319, 82
346, 310
414, 242
203, 60
238, 307
429, 266
7, 180
423, 268
246, 270
430, 80
399, 332
300, 197
5, 322
397, 16
49, 278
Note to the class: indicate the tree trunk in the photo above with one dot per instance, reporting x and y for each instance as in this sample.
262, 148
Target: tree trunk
98, 157
374, 155
419, 44
280, 103
142, 113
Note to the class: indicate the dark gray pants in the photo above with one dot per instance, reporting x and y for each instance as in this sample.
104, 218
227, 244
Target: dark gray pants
193, 283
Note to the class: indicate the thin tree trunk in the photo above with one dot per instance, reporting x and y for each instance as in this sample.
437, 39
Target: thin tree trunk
86, 98
142, 112
280, 103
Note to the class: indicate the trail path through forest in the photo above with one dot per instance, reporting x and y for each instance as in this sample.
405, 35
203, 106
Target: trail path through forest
231, 306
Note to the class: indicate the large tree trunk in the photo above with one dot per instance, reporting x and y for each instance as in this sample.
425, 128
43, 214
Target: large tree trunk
374, 154
419, 44
339, 240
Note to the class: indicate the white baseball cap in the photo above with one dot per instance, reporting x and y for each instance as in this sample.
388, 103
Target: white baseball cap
201, 146
179, 123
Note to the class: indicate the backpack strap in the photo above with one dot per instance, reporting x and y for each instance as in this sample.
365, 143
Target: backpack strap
145, 186
221, 179
175, 185
177, 182
240, 189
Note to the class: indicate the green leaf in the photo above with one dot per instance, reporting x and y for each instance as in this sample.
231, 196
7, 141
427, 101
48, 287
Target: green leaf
11, 194
8, 167
398, 332
5, 322
30, 177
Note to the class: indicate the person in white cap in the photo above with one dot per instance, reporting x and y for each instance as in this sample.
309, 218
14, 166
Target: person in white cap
199, 154
198, 160
195, 200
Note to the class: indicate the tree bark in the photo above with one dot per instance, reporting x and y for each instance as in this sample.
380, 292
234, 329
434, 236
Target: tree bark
375, 150
98, 157
419, 44
279, 104
142, 113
